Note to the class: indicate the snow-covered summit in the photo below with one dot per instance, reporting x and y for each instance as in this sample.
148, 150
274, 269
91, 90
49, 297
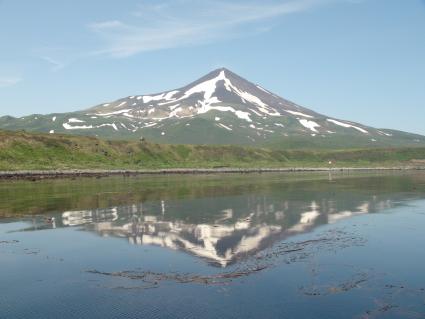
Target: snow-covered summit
220, 91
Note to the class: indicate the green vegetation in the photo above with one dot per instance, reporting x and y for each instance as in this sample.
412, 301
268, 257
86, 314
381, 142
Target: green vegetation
26, 151
203, 130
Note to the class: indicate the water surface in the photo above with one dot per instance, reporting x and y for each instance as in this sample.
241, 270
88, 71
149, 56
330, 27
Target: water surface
297, 245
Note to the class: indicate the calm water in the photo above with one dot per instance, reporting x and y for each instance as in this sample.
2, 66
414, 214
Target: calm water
255, 246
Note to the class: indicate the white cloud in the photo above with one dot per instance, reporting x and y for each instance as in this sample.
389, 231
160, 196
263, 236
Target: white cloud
177, 23
56, 65
106, 25
9, 81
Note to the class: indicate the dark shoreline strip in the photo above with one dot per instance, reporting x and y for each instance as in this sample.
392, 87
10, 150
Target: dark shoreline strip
51, 174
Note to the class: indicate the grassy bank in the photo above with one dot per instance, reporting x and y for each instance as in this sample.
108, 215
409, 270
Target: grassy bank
27, 151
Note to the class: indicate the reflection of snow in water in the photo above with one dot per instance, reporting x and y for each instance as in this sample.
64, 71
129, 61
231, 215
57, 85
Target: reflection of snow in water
75, 218
221, 241
307, 219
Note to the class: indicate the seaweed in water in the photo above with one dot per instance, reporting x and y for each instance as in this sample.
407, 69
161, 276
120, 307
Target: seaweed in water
356, 281
391, 302
7, 242
388, 299
152, 279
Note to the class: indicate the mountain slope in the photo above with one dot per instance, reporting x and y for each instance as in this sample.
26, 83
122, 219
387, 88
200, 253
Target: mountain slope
29, 151
219, 108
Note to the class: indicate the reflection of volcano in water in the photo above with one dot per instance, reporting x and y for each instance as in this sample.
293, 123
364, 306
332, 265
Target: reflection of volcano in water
223, 232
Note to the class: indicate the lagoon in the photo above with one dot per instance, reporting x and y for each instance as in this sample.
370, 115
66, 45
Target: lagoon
274, 245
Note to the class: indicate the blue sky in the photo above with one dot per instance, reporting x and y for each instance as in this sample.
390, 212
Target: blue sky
360, 60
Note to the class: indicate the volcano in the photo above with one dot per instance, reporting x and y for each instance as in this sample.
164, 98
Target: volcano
219, 108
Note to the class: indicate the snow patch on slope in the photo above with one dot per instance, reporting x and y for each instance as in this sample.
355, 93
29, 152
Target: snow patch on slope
121, 104
263, 89
309, 124
114, 113
149, 98
224, 126
240, 114
67, 126
172, 107
169, 95
347, 125
300, 114
74, 120
207, 88
383, 133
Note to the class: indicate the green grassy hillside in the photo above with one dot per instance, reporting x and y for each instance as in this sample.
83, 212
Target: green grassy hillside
204, 130
21, 150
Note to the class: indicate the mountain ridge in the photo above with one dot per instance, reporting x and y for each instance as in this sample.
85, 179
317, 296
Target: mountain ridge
219, 108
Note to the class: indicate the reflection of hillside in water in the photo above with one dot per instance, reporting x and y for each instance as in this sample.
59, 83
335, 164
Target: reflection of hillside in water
222, 230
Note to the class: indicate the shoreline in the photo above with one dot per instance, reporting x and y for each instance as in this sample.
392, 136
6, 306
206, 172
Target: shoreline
56, 174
